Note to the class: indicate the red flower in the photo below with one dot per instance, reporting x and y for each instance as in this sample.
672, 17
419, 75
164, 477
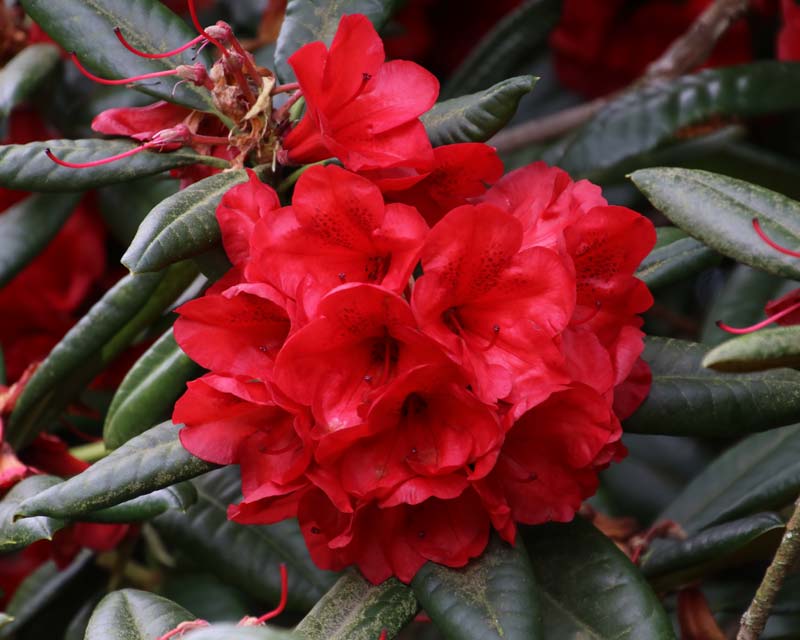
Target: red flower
460, 172
338, 230
359, 108
789, 35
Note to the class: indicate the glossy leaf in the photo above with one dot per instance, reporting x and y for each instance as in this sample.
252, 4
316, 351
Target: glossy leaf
125, 205
760, 473
87, 27
148, 391
17, 535
27, 167
478, 116
494, 596
642, 119
354, 609
231, 632
151, 461
512, 42
688, 399
206, 596
25, 73
588, 587
130, 614
310, 20
766, 349
719, 211
673, 261
182, 226
215, 543
179, 496
670, 563
27, 227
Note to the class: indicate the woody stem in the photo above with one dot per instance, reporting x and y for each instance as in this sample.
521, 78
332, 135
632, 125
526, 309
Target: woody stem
755, 618
686, 53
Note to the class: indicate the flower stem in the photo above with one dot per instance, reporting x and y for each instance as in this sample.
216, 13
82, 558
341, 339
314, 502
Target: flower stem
755, 618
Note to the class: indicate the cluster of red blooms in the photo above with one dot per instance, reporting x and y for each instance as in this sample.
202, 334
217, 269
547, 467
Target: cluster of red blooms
402, 358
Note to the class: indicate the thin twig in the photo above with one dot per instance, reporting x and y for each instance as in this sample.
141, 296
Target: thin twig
687, 52
755, 618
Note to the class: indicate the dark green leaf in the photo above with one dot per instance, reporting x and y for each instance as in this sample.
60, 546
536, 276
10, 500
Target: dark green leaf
148, 391
87, 27
109, 327
511, 42
478, 116
180, 497
231, 632
640, 120
674, 261
741, 302
182, 226
24, 74
26, 167
206, 596
125, 205
215, 543
494, 596
312, 20
589, 589
354, 609
677, 562
131, 614
151, 461
767, 349
688, 399
17, 535
719, 211
760, 473
27, 227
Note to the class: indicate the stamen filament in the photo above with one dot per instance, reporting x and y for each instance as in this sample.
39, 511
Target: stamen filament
383, 635
284, 88
143, 54
95, 163
772, 243
144, 76
759, 325
284, 597
203, 32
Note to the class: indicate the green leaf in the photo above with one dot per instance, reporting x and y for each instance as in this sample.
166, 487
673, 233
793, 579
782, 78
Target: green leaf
131, 614
27, 167
512, 42
182, 226
671, 563
17, 535
25, 73
719, 211
125, 205
179, 496
478, 116
312, 20
760, 473
767, 349
494, 596
231, 632
354, 609
151, 461
688, 399
87, 27
206, 596
27, 227
216, 544
589, 589
148, 391
740, 302
109, 327
675, 260
640, 120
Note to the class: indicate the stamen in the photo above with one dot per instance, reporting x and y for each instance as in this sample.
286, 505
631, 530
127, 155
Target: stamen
183, 627
143, 54
95, 163
284, 597
772, 243
383, 635
284, 88
759, 325
203, 32
144, 76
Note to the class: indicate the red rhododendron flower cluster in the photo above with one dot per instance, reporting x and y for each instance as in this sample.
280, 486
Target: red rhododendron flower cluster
402, 358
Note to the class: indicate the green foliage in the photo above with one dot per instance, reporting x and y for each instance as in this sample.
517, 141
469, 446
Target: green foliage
766, 349
131, 614
674, 259
24, 74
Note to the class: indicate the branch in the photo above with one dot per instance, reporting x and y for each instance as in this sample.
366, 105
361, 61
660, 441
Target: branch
755, 618
688, 52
